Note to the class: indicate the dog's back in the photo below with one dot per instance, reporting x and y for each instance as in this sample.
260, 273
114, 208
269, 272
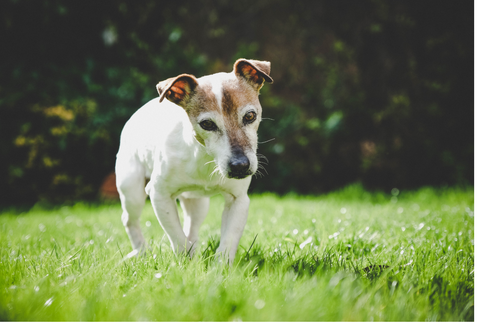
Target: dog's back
154, 127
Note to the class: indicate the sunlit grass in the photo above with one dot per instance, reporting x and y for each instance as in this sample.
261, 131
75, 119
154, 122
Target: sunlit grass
347, 255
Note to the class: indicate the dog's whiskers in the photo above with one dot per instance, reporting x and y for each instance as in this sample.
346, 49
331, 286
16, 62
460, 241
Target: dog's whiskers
258, 174
209, 162
217, 170
260, 168
262, 157
270, 140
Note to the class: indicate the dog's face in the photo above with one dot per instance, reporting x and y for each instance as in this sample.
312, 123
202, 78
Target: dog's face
225, 113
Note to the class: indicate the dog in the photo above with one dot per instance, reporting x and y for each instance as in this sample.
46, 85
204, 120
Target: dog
197, 140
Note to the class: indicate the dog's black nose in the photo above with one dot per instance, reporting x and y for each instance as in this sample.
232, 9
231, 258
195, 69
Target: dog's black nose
239, 166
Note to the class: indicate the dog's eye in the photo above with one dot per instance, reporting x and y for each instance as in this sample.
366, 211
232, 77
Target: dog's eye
208, 125
249, 117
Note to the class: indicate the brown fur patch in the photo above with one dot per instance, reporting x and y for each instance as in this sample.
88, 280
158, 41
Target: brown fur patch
232, 100
238, 94
203, 100
177, 89
254, 71
251, 73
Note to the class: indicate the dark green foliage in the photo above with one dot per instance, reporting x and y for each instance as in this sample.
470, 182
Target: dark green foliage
374, 91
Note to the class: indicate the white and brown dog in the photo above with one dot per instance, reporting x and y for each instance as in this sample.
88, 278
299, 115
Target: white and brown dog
199, 142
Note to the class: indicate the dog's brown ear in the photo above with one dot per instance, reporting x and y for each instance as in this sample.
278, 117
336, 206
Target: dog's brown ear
177, 89
256, 72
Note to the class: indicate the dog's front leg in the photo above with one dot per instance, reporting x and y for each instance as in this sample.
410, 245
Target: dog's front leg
165, 209
234, 218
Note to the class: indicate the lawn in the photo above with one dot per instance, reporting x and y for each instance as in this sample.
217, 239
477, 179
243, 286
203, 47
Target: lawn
346, 255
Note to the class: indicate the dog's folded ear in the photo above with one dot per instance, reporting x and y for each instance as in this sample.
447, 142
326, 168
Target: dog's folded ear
256, 72
177, 89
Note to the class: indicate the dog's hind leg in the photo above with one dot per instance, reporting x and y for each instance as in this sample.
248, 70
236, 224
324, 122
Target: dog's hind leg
194, 212
131, 187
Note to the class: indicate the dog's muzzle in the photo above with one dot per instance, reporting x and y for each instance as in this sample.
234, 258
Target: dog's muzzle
238, 165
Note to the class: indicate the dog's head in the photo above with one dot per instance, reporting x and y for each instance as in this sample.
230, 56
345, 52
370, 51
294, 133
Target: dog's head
225, 112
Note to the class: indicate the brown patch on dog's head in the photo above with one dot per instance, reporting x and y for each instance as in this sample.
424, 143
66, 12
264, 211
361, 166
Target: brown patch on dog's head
238, 95
230, 105
203, 101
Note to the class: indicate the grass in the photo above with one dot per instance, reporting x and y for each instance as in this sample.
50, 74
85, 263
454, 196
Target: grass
347, 255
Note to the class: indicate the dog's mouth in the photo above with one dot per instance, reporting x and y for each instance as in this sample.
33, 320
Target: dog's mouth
239, 175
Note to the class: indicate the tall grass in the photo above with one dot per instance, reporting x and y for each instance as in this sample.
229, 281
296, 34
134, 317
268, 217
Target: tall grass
347, 255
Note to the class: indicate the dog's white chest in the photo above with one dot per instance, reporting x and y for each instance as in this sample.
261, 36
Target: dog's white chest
201, 191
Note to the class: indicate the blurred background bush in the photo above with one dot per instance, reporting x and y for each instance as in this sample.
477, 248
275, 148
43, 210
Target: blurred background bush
378, 92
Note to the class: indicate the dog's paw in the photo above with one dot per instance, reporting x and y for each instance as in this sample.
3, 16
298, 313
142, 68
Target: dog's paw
221, 258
